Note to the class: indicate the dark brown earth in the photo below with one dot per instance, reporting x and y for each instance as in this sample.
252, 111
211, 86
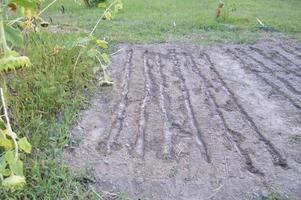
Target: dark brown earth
192, 122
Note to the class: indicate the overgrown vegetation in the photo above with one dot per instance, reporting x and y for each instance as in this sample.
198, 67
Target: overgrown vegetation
42, 103
43, 100
11, 165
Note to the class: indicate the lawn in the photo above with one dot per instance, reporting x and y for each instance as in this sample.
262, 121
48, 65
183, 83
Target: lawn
189, 20
45, 99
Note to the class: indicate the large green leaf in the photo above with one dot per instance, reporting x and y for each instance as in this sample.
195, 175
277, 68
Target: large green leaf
6, 143
13, 63
17, 168
9, 157
13, 182
14, 36
24, 145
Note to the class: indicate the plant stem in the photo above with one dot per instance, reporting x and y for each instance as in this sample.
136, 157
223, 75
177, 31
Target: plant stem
8, 126
99, 20
47, 7
76, 62
5, 47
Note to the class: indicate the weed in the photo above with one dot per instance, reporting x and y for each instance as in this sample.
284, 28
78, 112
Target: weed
43, 101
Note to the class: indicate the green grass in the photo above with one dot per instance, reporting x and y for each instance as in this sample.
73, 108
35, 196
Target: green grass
43, 101
272, 195
152, 21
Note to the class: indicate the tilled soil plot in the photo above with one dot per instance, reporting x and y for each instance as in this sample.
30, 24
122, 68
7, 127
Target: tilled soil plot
190, 122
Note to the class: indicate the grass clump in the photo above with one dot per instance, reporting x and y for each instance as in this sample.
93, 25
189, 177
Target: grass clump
43, 101
275, 196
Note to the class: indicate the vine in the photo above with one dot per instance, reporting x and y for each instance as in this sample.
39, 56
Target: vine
11, 166
92, 47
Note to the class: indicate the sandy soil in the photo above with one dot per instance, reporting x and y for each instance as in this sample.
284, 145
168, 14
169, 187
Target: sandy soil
192, 122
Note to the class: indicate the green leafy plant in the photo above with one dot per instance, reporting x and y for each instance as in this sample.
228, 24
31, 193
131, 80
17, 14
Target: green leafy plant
92, 47
11, 166
9, 59
10, 36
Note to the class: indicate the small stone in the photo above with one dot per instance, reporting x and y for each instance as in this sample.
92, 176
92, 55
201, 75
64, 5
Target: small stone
106, 161
139, 180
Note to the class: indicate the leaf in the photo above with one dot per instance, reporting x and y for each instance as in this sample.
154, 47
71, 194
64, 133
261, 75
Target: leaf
6, 143
24, 145
14, 36
105, 58
9, 157
106, 80
3, 170
102, 44
108, 16
92, 53
13, 63
118, 6
102, 5
17, 167
9, 133
13, 182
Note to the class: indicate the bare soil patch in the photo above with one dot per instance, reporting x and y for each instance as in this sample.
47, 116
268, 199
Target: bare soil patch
193, 122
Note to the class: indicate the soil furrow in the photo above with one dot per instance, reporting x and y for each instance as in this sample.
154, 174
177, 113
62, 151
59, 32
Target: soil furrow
278, 54
117, 123
286, 55
234, 136
276, 156
274, 58
168, 134
271, 71
193, 121
139, 149
264, 79
288, 50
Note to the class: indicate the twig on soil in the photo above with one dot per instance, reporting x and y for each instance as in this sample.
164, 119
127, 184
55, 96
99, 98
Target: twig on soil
112, 54
108, 195
260, 22
216, 191
76, 61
